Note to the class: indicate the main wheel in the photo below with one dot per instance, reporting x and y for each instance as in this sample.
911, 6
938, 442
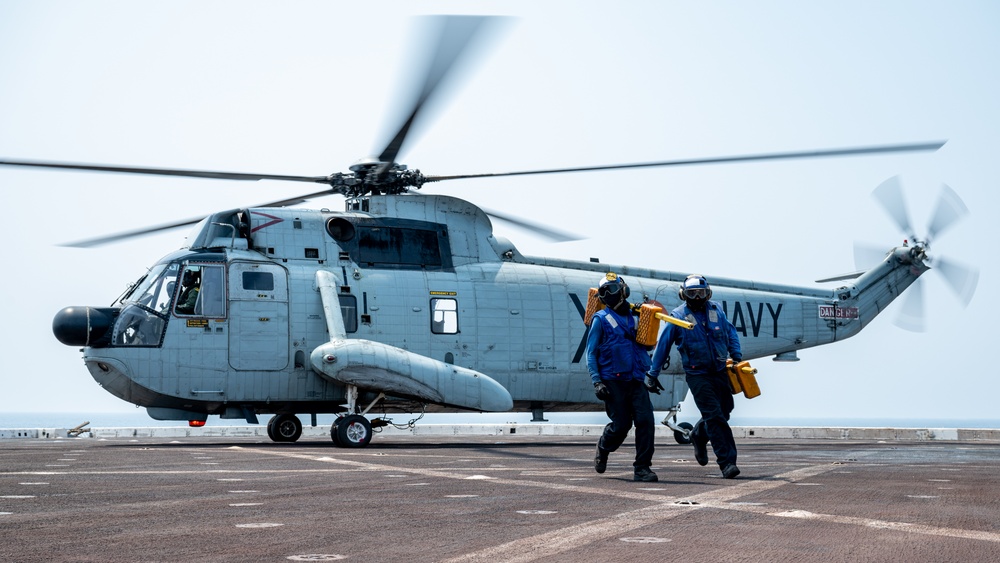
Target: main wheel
680, 436
334, 435
270, 429
284, 428
353, 431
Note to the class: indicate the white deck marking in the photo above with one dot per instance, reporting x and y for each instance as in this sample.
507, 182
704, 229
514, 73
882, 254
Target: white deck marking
888, 525
664, 508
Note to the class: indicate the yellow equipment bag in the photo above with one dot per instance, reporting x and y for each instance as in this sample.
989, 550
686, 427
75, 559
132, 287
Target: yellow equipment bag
649, 325
742, 378
593, 305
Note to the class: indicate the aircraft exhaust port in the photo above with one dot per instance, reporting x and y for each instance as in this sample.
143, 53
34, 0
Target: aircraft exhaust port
83, 326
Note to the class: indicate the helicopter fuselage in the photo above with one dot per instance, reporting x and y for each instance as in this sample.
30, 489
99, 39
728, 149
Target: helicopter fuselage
423, 274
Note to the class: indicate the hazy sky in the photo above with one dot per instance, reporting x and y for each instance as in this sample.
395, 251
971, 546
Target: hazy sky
307, 88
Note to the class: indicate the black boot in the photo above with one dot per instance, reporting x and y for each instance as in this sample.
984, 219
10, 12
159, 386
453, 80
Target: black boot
700, 450
600, 460
730, 471
644, 474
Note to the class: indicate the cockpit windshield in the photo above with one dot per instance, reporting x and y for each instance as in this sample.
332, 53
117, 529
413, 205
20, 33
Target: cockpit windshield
155, 289
144, 315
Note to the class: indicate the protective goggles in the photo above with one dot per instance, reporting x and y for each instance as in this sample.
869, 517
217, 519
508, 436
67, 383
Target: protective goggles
612, 288
696, 293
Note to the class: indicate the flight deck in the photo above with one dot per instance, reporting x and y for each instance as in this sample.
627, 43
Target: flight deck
496, 497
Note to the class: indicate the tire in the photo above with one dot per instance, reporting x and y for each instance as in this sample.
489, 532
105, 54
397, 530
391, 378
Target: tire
285, 428
270, 429
680, 437
353, 431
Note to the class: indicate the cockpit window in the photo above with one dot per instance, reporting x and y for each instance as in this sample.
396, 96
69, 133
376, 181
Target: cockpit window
202, 292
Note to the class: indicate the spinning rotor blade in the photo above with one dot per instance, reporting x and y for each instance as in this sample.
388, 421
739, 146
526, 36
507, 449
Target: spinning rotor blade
99, 241
931, 146
911, 315
867, 256
890, 194
454, 36
547, 232
163, 171
949, 210
961, 279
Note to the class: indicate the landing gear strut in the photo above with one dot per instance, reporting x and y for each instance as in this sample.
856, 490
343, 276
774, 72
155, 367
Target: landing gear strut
682, 431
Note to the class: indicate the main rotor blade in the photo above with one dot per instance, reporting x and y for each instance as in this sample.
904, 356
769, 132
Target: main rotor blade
454, 35
961, 279
163, 171
930, 146
911, 315
890, 194
949, 210
547, 232
100, 241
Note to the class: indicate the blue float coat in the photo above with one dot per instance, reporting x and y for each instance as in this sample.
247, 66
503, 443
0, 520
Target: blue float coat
703, 348
612, 353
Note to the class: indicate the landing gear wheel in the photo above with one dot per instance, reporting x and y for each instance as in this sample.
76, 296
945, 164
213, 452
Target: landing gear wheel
680, 437
284, 428
334, 436
352, 431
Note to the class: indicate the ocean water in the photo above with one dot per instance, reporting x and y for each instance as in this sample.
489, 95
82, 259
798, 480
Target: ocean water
138, 418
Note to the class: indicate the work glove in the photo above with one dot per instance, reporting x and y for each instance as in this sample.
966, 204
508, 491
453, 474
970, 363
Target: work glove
653, 384
601, 390
734, 366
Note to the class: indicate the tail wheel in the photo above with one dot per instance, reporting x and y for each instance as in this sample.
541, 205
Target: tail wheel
352, 431
681, 437
284, 428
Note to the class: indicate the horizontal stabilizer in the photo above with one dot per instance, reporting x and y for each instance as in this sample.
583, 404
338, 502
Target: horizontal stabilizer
842, 277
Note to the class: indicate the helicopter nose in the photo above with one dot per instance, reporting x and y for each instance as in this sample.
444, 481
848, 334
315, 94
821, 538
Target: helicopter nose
83, 326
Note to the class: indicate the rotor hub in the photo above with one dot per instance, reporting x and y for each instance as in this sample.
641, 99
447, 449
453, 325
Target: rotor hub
371, 176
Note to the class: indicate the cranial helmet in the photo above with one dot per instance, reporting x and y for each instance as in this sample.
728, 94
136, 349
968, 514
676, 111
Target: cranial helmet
612, 289
190, 277
695, 288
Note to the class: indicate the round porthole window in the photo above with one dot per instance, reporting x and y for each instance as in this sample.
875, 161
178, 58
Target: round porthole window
340, 229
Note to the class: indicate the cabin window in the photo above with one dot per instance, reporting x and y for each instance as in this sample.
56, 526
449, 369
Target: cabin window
349, 310
444, 316
202, 292
258, 281
399, 245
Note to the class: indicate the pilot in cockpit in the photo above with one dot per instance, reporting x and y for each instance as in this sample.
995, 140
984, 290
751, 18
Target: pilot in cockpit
190, 285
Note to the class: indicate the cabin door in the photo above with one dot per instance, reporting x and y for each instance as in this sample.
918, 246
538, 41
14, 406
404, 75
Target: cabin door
258, 326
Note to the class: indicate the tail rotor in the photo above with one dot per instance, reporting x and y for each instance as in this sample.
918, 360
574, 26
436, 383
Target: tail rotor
960, 278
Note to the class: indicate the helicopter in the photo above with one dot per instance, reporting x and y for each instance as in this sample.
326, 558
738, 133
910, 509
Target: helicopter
409, 297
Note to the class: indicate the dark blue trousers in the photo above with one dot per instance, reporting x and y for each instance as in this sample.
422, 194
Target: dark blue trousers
629, 404
714, 398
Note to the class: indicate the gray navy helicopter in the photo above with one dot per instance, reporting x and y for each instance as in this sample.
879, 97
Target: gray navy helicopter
407, 300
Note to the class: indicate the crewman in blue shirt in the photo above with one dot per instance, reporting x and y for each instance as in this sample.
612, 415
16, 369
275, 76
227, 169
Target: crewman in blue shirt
703, 351
618, 368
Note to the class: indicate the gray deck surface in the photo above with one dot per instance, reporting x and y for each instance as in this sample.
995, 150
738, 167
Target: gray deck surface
493, 498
